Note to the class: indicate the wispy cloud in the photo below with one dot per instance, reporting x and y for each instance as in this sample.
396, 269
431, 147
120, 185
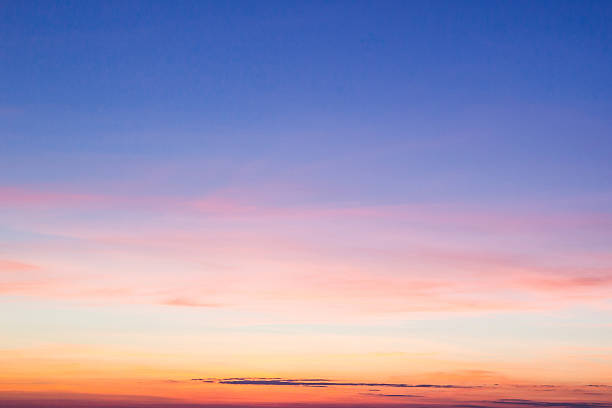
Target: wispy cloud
16, 266
260, 254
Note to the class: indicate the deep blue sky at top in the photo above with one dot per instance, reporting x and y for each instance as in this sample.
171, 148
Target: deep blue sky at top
491, 98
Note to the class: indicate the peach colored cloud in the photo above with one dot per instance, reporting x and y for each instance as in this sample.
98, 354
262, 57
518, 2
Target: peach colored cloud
187, 302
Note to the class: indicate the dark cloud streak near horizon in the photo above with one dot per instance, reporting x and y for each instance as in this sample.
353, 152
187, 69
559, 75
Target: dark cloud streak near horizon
319, 382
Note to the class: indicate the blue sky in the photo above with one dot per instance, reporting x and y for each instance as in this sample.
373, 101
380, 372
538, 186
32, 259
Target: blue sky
474, 98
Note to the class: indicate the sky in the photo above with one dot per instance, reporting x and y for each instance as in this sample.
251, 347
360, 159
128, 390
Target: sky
306, 204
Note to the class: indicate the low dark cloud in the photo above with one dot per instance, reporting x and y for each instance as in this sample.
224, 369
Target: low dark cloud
328, 383
376, 394
377, 390
555, 404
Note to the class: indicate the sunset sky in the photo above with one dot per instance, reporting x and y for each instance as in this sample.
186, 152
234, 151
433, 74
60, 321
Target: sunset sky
313, 204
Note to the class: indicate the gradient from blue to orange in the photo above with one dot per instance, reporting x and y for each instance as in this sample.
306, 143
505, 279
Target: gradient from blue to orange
259, 194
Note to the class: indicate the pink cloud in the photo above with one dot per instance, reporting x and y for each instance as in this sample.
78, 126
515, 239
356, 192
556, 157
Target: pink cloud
15, 266
272, 254
234, 204
572, 283
24, 197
